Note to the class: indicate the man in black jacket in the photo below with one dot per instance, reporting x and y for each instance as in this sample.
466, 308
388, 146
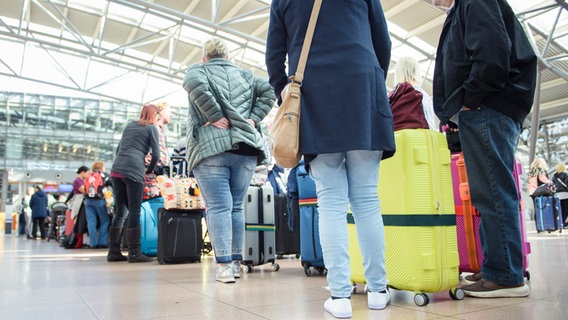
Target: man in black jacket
485, 79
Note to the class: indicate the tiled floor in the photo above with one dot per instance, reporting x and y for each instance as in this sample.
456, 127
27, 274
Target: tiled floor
40, 280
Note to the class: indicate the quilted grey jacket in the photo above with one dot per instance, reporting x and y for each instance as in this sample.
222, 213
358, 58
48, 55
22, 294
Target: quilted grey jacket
219, 88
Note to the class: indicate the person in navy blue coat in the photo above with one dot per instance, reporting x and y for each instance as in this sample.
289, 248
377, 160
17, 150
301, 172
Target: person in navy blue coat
38, 204
346, 126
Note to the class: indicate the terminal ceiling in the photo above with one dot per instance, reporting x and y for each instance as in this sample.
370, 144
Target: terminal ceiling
138, 51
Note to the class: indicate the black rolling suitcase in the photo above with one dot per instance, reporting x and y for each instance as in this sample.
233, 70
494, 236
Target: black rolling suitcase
179, 236
287, 226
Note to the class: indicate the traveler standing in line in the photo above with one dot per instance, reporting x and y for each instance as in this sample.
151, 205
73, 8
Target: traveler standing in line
560, 180
78, 191
538, 174
127, 175
80, 225
95, 207
27, 221
485, 75
163, 117
38, 204
224, 145
407, 69
346, 128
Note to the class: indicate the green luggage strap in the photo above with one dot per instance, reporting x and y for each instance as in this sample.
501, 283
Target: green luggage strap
414, 220
259, 227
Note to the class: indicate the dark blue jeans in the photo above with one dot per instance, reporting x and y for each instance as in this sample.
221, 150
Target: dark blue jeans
489, 140
96, 212
127, 201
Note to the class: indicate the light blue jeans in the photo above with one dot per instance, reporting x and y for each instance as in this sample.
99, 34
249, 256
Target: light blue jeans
96, 209
489, 140
224, 180
350, 178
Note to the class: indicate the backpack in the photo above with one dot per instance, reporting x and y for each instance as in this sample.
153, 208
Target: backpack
406, 107
94, 185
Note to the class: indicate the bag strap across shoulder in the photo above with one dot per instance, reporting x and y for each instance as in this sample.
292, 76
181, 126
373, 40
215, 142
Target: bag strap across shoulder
299, 75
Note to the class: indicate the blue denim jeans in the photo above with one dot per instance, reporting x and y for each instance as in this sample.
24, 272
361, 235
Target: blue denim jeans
489, 140
95, 209
350, 178
224, 180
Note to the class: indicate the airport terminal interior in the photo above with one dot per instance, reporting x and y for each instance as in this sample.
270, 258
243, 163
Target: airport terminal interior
73, 73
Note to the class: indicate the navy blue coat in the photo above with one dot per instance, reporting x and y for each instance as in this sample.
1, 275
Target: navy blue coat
344, 99
38, 204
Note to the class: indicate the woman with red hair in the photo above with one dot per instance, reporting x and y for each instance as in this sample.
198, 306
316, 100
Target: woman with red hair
127, 175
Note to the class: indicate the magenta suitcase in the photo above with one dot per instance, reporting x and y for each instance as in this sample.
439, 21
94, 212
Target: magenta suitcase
469, 251
467, 219
518, 171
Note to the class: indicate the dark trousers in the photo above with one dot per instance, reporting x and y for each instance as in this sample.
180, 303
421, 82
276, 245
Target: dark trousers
564, 205
38, 222
22, 223
128, 200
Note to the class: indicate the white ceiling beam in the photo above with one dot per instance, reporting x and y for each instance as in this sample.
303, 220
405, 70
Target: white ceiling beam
399, 8
432, 24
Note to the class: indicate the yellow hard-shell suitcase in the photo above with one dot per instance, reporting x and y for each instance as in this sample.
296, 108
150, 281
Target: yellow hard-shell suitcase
417, 204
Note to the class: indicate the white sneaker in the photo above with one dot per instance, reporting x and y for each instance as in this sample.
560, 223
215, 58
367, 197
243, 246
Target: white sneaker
377, 300
224, 273
236, 266
339, 308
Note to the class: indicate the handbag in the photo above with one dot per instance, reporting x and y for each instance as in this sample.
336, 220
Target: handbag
285, 131
151, 189
180, 193
546, 189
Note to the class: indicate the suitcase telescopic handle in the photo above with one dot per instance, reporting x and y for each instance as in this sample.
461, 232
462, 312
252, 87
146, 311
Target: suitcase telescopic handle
182, 161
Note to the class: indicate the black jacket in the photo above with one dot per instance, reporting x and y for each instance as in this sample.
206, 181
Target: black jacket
560, 180
484, 58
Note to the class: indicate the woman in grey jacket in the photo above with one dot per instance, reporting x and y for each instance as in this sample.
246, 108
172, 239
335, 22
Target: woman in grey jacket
224, 145
127, 175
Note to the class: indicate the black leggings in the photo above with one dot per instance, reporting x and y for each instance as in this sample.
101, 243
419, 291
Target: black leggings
128, 199
564, 205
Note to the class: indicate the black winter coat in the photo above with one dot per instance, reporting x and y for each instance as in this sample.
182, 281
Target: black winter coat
484, 58
560, 180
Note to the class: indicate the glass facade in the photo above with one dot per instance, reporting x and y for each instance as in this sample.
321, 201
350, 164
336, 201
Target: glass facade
62, 133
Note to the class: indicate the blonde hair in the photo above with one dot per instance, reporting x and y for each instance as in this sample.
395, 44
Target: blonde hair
215, 48
407, 69
98, 166
561, 167
162, 106
539, 163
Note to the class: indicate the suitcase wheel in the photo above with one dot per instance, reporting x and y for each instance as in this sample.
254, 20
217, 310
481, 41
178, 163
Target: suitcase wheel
275, 267
321, 270
246, 268
307, 270
421, 299
457, 293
